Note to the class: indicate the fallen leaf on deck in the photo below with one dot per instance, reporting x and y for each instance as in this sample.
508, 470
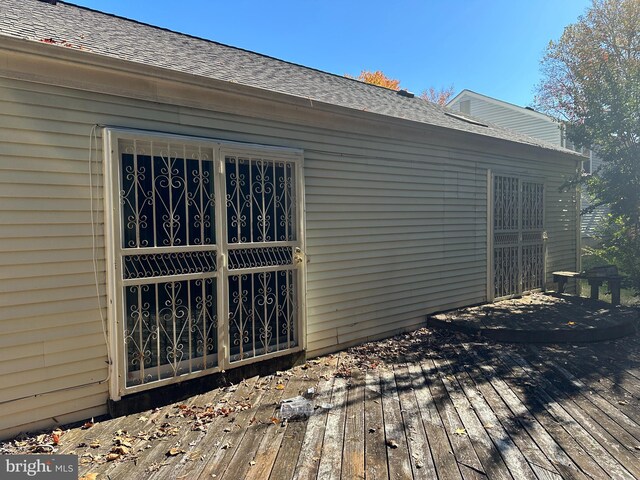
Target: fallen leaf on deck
392, 444
275, 420
460, 431
252, 463
279, 386
87, 425
622, 402
174, 451
89, 476
120, 450
112, 456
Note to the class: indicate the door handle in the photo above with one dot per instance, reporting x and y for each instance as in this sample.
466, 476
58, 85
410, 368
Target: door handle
299, 256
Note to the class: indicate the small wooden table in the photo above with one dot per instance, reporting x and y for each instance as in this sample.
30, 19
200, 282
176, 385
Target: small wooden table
596, 277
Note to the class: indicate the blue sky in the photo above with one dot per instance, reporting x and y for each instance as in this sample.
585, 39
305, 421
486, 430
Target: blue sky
493, 47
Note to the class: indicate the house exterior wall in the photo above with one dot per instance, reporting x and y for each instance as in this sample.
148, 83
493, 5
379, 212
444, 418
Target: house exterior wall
396, 220
511, 117
539, 126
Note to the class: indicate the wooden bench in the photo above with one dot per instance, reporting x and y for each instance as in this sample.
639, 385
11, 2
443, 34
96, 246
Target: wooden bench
596, 277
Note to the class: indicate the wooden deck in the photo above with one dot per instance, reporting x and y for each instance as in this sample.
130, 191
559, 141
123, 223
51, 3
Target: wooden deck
423, 405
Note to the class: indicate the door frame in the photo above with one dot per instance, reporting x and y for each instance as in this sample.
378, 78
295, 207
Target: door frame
113, 250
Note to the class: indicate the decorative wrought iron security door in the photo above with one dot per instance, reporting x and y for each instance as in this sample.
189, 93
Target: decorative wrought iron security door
518, 236
206, 255
263, 251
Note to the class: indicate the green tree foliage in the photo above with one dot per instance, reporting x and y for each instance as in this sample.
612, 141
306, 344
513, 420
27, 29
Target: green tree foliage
591, 79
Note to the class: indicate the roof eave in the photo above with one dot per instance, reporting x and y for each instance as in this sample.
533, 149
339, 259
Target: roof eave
89, 59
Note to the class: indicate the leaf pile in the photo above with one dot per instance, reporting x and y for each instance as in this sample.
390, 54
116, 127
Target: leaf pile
206, 414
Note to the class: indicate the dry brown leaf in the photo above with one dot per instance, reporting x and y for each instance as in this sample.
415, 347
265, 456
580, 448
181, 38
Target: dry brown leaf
120, 450
392, 444
95, 444
89, 476
87, 425
122, 441
112, 456
174, 451
279, 386
460, 431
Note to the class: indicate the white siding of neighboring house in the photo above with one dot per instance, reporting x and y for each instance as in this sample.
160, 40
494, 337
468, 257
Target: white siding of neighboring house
395, 230
515, 118
593, 220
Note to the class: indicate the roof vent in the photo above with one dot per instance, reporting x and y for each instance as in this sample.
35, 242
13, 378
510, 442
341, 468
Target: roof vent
405, 93
529, 108
465, 119
50, 2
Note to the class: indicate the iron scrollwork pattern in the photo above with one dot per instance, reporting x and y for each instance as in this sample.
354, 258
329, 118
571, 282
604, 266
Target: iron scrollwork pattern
167, 197
260, 257
163, 264
518, 222
260, 200
167, 200
260, 208
170, 329
262, 313
532, 206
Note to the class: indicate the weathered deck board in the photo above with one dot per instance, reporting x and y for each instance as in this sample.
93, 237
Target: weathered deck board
398, 456
293, 437
571, 419
375, 448
527, 420
464, 453
487, 452
353, 451
330, 466
441, 449
311, 450
421, 457
432, 406
608, 438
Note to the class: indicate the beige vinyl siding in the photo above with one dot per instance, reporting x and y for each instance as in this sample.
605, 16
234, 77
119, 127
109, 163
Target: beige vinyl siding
394, 230
514, 118
52, 348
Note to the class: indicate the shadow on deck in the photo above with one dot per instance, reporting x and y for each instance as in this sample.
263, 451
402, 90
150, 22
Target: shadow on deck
422, 405
541, 318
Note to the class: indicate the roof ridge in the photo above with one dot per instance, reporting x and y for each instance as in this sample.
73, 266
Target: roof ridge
208, 40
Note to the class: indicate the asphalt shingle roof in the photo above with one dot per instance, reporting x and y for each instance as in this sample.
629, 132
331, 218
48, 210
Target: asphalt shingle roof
67, 25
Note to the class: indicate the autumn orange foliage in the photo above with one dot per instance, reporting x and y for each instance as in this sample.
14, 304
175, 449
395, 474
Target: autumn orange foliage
441, 96
378, 78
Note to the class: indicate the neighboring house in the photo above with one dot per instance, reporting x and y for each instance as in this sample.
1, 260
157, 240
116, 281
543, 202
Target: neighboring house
172, 207
529, 122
